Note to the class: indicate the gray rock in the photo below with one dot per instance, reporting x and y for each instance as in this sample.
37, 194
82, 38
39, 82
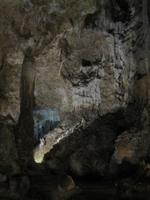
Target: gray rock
91, 59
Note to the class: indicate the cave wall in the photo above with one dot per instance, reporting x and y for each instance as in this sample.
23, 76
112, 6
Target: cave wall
91, 58
88, 54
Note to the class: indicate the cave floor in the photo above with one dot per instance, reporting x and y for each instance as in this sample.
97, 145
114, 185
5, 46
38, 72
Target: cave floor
88, 189
45, 186
108, 190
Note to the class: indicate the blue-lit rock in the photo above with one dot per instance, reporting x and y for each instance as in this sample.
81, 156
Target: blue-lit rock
45, 119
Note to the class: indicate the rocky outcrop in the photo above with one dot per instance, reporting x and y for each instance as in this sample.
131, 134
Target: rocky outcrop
89, 60
87, 55
90, 148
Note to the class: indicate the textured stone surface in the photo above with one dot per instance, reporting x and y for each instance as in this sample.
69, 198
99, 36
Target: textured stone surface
84, 58
91, 62
8, 151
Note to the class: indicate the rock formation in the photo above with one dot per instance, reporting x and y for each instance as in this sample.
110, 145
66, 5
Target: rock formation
91, 61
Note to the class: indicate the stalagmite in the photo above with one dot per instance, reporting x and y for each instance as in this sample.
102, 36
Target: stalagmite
25, 124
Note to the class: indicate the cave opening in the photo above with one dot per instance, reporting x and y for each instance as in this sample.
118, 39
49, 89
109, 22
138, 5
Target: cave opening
45, 120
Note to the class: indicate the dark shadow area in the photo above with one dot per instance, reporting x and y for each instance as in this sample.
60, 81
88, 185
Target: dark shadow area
100, 135
120, 11
91, 21
87, 63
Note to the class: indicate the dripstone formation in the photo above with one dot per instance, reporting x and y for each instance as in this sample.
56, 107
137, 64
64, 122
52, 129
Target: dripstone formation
90, 60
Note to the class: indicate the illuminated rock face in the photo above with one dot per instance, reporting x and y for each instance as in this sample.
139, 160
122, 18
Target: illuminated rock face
45, 119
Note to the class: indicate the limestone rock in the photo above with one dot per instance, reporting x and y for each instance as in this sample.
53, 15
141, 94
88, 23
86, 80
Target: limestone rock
91, 60
8, 152
131, 146
85, 59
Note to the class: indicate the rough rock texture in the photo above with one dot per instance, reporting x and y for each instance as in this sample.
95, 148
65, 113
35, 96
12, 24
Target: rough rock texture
8, 152
85, 153
90, 61
87, 55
